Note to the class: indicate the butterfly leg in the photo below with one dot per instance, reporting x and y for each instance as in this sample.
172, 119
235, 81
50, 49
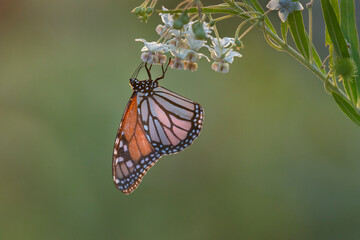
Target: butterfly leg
164, 70
148, 70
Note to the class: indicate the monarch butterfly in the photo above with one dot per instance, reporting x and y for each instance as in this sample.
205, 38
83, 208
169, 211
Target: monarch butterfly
156, 122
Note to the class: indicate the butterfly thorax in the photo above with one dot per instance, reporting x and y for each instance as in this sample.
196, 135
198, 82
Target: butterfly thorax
145, 86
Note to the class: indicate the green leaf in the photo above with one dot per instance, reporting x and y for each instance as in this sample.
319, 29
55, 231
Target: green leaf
258, 7
317, 59
301, 38
297, 30
284, 30
351, 89
338, 42
334, 30
347, 108
348, 26
335, 5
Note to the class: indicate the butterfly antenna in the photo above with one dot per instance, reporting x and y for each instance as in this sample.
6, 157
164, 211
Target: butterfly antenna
167, 65
148, 70
164, 70
135, 74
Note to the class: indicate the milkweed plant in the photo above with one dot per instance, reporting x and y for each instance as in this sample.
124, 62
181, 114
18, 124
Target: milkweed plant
191, 27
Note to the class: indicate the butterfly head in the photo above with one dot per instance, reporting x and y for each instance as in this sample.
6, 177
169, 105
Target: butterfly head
145, 86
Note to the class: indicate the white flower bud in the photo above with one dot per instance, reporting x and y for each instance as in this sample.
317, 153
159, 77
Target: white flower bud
147, 57
215, 66
192, 56
222, 67
159, 58
159, 29
177, 63
191, 66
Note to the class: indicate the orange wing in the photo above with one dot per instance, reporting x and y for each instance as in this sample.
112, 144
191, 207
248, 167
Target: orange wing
133, 154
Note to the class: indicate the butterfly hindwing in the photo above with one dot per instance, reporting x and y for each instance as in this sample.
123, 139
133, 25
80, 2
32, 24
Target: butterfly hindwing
171, 122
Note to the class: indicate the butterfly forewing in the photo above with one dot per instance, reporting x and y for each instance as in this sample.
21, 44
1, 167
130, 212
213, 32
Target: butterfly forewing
133, 154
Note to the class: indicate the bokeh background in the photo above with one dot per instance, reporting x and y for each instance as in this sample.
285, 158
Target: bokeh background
276, 159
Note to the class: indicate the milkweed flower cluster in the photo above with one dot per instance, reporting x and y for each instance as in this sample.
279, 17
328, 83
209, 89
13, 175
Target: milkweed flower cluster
189, 32
222, 54
153, 52
183, 39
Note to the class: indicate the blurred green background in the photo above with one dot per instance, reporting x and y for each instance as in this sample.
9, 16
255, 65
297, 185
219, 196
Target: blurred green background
276, 159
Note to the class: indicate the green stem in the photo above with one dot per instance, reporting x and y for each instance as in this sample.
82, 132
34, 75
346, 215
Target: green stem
145, 3
232, 4
270, 41
223, 18
306, 63
215, 31
237, 3
153, 3
310, 7
204, 10
240, 26
163, 36
248, 30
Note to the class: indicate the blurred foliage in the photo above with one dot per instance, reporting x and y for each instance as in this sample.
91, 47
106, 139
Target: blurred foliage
274, 160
